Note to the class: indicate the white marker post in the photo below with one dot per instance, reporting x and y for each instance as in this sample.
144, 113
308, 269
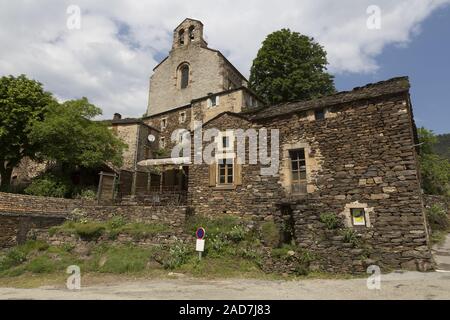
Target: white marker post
200, 245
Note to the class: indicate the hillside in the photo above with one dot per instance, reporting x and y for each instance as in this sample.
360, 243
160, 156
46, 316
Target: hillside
442, 147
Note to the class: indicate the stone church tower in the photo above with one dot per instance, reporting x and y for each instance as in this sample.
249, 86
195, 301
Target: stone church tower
191, 71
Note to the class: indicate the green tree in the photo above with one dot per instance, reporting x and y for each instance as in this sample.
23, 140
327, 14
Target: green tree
290, 66
22, 103
435, 170
69, 136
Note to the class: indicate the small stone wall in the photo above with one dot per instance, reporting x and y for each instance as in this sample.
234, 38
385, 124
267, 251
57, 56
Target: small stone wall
19, 214
14, 227
173, 216
17, 203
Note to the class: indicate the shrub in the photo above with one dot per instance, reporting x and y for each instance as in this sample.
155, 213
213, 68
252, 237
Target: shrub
117, 222
48, 185
330, 220
89, 231
178, 255
283, 251
350, 236
88, 194
237, 233
438, 218
41, 264
270, 234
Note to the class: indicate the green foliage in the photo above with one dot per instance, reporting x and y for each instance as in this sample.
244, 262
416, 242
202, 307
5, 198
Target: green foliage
89, 231
23, 102
438, 218
88, 194
178, 255
290, 66
435, 170
18, 255
49, 185
270, 234
282, 252
69, 136
442, 146
121, 259
331, 220
350, 236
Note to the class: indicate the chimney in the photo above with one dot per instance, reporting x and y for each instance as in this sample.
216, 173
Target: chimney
117, 116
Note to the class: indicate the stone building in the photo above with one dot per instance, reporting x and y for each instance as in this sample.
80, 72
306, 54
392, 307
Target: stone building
351, 154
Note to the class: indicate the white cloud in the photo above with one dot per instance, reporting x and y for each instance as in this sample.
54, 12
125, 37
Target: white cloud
111, 58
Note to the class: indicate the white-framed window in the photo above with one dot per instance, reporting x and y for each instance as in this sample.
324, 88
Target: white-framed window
182, 117
213, 102
162, 142
163, 123
225, 141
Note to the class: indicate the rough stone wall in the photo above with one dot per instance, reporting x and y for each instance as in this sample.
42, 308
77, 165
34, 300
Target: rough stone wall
367, 157
173, 123
14, 228
21, 213
361, 155
205, 76
174, 216
20, 203
232, 101
255, 198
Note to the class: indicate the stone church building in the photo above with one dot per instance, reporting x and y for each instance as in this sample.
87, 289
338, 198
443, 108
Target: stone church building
352, 154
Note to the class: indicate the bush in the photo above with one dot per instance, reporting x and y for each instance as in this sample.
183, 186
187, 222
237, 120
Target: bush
88, 194
270, 234
48, 185
350, 236
178, 255
237, 233
438, 218
89, 231
330, 220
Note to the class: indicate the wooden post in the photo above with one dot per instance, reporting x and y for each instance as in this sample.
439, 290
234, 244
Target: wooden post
100, 183
133, 185
161, 180
149, 182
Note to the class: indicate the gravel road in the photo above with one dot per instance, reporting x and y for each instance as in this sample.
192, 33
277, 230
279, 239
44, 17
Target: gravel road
397, 285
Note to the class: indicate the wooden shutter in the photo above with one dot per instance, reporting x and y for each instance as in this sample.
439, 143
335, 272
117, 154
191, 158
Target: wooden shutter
237, 173
212, 174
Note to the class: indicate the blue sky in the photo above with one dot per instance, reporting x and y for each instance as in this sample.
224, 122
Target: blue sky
426, 60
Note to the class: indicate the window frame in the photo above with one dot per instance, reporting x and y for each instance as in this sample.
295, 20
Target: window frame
228, 165
182, 117
163, 120
363, 223
185, 75
220, 147
162, 142
297, 170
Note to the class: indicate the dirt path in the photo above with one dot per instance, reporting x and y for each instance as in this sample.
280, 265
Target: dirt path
441, 254
409, 285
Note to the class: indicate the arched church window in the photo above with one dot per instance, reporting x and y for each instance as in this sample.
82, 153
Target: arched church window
181, 37
191, 33
184, 72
